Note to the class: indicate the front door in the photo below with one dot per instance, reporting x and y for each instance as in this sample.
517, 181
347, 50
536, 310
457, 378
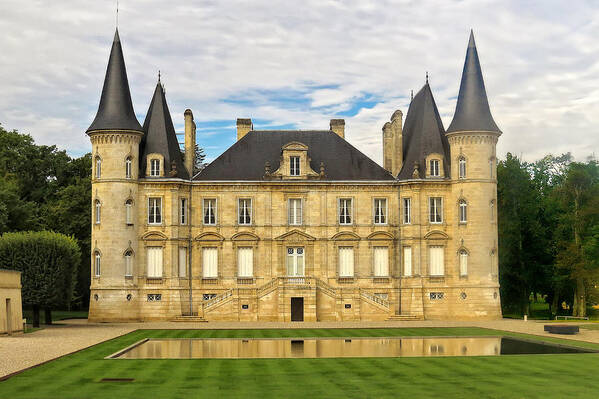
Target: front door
297, 309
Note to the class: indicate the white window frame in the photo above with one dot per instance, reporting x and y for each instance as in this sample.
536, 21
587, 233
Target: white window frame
97, 263
128, 168
463, 260
294, 165
408, 269
212, 211
152, 214
407, 210
207, 271
435, 210
247, 211
98, 209
155, 167
129, 212
342, 272
183, 211
462, 168
292, 262
435, 167
295, 213
440, 270
384, 271
239, 265
128, 263
159, 268
348, 217
383, 209
463, 211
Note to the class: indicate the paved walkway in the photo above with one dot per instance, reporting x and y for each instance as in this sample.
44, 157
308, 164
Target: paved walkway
27, 350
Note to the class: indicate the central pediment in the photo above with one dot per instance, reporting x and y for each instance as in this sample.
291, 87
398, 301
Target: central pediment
295, 235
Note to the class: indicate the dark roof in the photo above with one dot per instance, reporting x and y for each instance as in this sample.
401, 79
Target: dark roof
160, 137
423, 134
472, 111
245, 160
116, 109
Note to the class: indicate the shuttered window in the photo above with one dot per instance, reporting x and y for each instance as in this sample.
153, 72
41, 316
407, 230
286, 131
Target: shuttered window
210, 262
381, 261
407, 261
436, 261
154, 261
245, 262
463, 263
182, 262
346, 261
129, 263
129, 212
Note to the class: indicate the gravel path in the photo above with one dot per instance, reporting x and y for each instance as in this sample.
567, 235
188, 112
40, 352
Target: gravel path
27, 350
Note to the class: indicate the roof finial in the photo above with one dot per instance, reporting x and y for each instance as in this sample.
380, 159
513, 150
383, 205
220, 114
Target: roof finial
159, 76
411, 95
426, 77
117, 14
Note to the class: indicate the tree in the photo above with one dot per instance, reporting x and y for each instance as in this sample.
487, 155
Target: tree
48, 262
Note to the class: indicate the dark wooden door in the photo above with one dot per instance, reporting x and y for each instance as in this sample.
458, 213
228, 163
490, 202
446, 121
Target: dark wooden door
297, 309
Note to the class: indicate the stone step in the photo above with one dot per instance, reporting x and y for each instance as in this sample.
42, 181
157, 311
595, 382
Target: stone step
404, 317
190, 319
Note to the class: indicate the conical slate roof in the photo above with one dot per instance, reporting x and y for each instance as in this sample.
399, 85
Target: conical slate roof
472, 111
423, 134
116, 110
160, 137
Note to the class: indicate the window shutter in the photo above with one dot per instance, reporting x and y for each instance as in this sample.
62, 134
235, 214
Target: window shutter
407, 261
463, 263
436, 261
210, 262
245, 259
346, 262
154, 262
381, 261
182, 262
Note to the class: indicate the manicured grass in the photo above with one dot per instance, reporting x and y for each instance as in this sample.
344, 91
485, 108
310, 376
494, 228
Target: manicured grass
520, 376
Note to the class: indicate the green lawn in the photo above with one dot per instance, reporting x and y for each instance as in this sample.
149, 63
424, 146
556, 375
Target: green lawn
520, 376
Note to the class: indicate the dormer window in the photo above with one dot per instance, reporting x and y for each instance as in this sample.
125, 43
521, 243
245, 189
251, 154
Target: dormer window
294, 166
155, 167
434, 168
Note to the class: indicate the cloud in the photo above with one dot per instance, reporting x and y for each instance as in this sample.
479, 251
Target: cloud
299, 66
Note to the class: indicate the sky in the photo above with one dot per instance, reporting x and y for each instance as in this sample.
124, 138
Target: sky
296, 65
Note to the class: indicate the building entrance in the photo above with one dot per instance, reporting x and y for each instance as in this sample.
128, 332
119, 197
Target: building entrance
297, 309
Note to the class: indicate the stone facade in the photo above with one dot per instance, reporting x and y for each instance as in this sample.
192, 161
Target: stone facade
11, 308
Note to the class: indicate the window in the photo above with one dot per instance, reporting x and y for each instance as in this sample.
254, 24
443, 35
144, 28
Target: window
434, 167
346, 261
97, 259
210, 211
436, 261
463, 263
491, 168
407, 210
462, 168
294, 166
245, 262
381, 261
182, 262
380, 211
345, 210
492, 210
295, 261
98, 167
210, 262
128, 165
154, 297
155, 167
295, 211
155, 210
154, 262
129, 212
407, 261
98, 211
463, 211
436, 296
436, 209
183, 211
245, 211
129, 263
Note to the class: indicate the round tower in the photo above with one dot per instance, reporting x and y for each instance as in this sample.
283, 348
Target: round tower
472, 137
115, 135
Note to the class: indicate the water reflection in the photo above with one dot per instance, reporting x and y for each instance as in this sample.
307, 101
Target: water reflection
312, 348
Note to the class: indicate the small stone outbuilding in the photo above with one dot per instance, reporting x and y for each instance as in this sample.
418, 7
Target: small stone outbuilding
11, 309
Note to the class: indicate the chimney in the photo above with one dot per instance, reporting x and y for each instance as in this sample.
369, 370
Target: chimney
388, 147
190, 141
244, 126
338, 126
397, 131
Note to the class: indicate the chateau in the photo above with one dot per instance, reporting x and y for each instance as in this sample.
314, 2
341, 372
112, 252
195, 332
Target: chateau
294, 225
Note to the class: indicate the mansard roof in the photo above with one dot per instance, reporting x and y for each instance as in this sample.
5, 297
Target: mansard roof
246, 159
115, 111
160, 137
423, 134
472, 111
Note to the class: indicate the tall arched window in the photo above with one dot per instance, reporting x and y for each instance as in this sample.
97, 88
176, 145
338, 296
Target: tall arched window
129, 263
463, 211
128, 166
155, 167
463, 263
98, 207
462, 168
97, 258
129, 211
98, 167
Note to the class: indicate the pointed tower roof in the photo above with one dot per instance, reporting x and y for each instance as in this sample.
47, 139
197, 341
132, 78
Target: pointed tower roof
423, 134
116, 109
160, 137
472, 111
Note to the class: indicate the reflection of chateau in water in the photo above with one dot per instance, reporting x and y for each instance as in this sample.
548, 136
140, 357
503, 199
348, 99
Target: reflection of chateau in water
313, 348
